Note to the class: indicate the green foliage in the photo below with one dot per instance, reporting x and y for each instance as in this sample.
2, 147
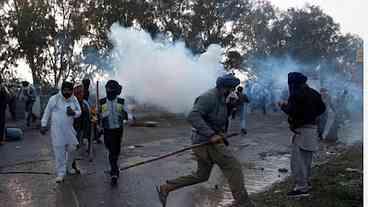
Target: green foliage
49, 34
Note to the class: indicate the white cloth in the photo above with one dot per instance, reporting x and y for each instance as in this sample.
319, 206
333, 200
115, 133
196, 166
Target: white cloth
330, 120
62, 130
243, 116
64, 157
307, 138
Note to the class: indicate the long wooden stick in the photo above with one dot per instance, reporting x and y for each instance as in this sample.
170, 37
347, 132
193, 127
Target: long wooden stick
25, 172
172, 153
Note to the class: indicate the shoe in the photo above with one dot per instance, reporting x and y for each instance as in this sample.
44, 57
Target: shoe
161, 196
75, 168
243, 131
298, 194
114, 180
309, 186
71, 172
97, 141
59, 179
247, 203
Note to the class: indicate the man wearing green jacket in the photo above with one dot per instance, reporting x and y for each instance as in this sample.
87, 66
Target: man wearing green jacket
208, 119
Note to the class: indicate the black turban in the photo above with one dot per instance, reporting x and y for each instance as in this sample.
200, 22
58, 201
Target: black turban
227, 81
296, 78
67, 85
113, 89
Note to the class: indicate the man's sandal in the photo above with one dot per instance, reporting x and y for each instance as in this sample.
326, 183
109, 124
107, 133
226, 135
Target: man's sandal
162, 196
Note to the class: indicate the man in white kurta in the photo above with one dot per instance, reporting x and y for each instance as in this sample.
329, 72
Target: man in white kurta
62, 108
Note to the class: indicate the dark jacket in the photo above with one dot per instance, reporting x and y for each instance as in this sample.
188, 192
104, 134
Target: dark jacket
208, 116
4, 97
304, 106
82, 124
242, 98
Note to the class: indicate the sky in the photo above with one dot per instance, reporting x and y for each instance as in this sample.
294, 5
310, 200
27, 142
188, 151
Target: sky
350, 14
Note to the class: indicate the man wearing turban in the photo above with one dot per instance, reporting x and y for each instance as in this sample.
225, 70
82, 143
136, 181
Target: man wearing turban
208, 118
62, 108
303, 107
113, 113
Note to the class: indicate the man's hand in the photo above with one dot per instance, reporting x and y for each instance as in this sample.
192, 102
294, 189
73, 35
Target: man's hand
43, 130
70, 111
217, 139
282, 103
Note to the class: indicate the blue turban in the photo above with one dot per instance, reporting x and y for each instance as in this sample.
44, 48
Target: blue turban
227, 81
295, 78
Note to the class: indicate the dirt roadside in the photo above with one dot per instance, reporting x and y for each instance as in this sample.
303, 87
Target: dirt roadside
337, 182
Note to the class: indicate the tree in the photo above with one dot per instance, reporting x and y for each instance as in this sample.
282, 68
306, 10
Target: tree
28, 28
46, 33
312, 35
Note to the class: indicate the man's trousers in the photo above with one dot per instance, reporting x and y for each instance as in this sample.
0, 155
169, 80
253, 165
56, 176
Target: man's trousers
112, 139
220, 155
64, 157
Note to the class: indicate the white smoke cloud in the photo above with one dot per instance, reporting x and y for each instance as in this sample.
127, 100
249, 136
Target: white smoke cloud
161, 73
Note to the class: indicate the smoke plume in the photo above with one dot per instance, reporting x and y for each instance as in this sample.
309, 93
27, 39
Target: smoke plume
162, 73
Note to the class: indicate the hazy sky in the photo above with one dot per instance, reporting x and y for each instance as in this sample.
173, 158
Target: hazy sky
350, 14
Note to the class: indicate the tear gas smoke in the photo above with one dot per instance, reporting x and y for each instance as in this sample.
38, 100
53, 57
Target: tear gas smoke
271, 82
161, 73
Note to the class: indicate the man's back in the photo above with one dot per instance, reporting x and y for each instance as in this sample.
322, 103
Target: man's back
304, 107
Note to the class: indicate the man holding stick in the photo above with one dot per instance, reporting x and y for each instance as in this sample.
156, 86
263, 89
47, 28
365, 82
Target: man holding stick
208, 118
113, 113
82, 124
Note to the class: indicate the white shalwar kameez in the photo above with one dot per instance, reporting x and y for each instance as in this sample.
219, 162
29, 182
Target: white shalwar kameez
63, 135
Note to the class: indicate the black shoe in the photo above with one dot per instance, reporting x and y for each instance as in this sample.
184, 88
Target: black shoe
298, 194
97, 141
74, 166
310, 186
114, 180
162, 196
247, 203
243, 131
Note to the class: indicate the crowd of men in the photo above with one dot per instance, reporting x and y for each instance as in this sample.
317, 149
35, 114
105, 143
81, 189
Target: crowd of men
69, 114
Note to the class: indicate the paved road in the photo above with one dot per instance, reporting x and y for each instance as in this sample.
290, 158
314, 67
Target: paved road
262, 152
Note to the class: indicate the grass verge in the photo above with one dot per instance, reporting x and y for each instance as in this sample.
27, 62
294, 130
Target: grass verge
337, 183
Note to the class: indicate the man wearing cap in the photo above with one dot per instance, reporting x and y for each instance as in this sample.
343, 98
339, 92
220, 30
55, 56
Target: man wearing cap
303, 107
63, 108
208, 118
113, 113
